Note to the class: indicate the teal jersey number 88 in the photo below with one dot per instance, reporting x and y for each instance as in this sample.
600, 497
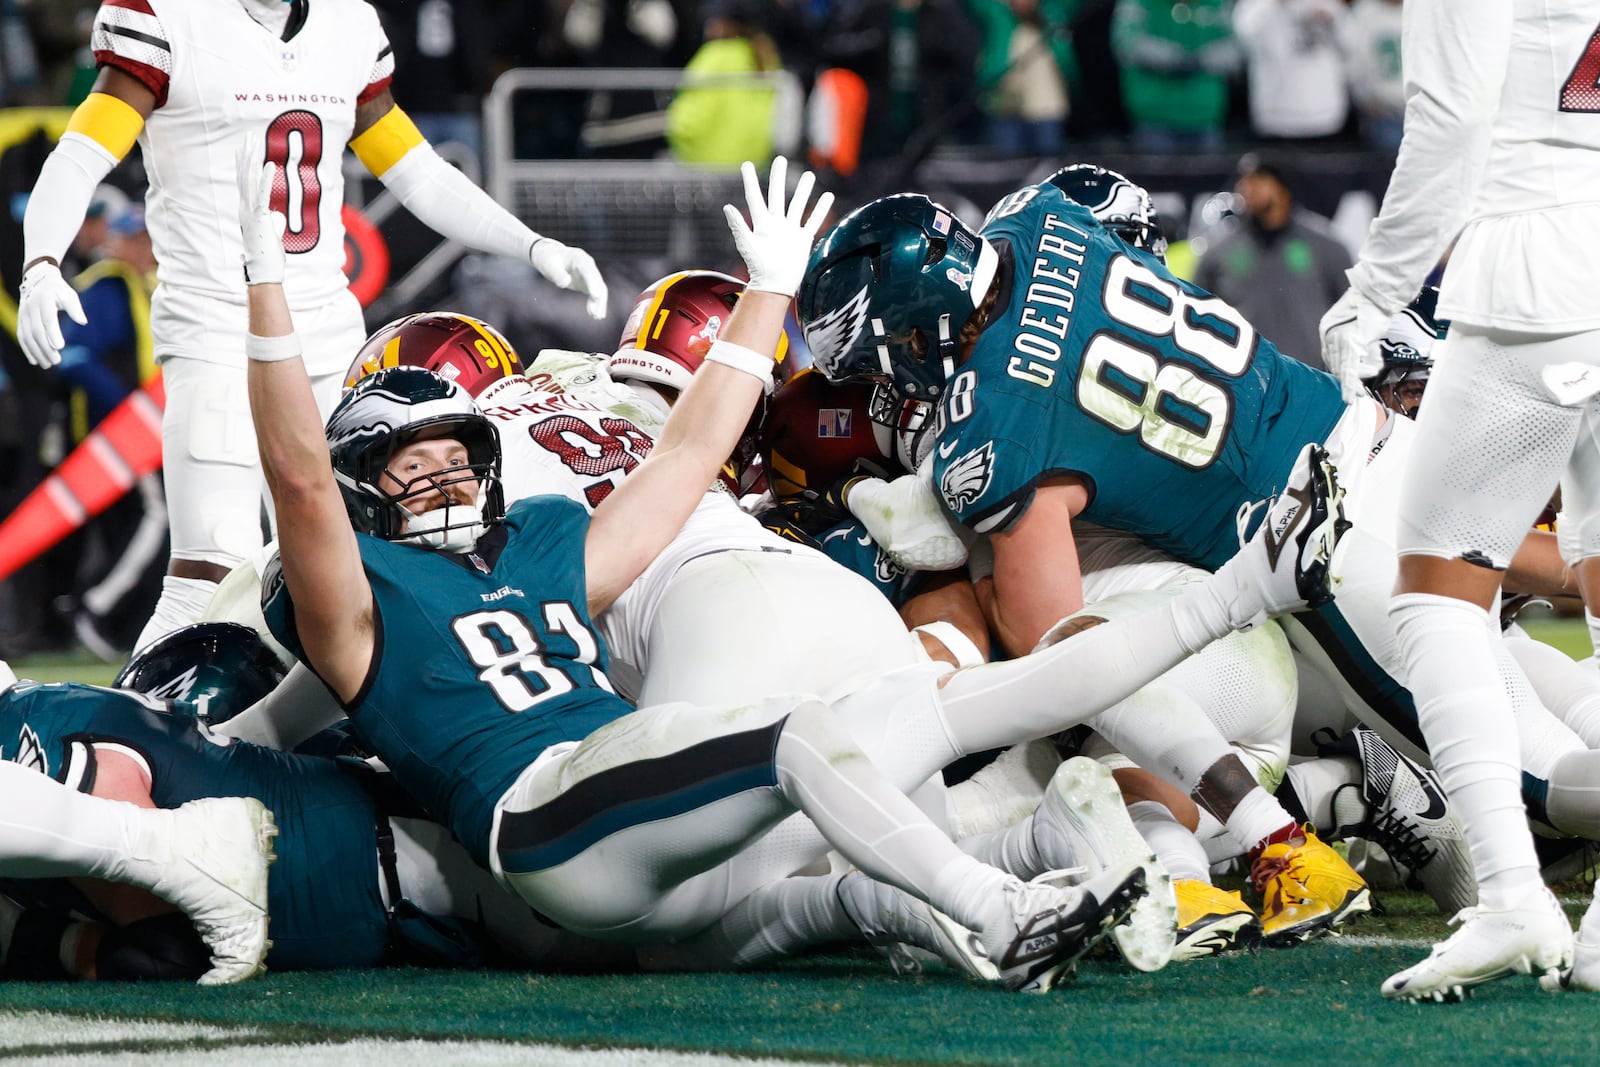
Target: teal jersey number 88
1175, 409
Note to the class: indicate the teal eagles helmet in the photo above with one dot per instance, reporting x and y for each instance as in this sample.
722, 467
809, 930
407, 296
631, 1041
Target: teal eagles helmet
1117, 203
1407, 351
388, 410
221, 667
887, 292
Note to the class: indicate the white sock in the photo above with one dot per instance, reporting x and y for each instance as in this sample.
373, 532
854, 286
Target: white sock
1004, 792
1589, 927
1472, 736
1174, 844
779, 919
183, 601
1573, 800
1315, 783
1594, 630
1013, 850
1256, 817
877, 827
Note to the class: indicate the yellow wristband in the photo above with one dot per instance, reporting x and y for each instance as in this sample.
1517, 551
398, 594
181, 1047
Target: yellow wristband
108, 121
382, 144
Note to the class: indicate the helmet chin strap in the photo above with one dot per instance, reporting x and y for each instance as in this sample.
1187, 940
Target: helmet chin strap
434, 529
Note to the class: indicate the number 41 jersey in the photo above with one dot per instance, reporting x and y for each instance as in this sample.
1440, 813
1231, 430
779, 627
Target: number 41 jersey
1101, 364
219, 75
481, 660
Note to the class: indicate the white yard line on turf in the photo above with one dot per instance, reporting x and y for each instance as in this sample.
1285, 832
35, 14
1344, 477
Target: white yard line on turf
1375, 941
68, 1036
48, 1030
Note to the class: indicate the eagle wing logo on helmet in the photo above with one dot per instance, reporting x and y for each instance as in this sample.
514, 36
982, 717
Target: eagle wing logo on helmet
968, 478
178, 687
832, 335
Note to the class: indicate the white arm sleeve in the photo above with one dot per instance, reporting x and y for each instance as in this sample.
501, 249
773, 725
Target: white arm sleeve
1455, 67
448, 202
907, 520
61, 196
300, 707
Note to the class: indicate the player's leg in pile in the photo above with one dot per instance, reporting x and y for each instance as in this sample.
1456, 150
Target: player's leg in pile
1581, 530
998, 704
813, 478
1492, 435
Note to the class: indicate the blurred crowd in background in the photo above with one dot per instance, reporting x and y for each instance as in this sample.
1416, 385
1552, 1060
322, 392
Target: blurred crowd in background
1265, 129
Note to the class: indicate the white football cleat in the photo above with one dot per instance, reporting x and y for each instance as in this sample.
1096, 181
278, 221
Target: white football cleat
1583, 975
1083, 822
1047, 927
1410, 818
1288, 564
210, 859
892, 921
1533, 938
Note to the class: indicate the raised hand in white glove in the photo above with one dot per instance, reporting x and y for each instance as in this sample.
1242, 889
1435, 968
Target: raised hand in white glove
1351, 329
776, 244
261, 227
45, 295
570, 268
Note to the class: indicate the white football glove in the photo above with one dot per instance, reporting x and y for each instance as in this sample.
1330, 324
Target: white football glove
261, 227
570, 268
45, 295
776, 244
1350, 333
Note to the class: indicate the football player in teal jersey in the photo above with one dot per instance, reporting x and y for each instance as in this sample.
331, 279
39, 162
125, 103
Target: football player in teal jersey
358, 881
1078, 378
461, 641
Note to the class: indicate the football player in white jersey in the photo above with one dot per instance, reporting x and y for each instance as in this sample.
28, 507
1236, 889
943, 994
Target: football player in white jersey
1501, 154
189, 79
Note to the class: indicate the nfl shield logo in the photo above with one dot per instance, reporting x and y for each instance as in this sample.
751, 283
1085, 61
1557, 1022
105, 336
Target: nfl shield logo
833, 422
287, 57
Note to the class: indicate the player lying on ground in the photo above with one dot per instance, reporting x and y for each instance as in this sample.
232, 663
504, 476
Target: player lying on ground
359, 880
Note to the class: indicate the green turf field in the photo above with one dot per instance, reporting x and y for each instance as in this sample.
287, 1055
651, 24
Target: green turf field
1311, 1005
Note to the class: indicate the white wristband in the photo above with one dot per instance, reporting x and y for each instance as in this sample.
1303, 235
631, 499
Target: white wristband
959, 644
272, 349
744, 359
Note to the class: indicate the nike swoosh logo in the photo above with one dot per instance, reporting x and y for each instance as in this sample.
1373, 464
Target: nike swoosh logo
1437, 806
947, 450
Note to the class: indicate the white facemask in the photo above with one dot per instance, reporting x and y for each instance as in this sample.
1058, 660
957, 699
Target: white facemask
8, 677
273, 14
428, 529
